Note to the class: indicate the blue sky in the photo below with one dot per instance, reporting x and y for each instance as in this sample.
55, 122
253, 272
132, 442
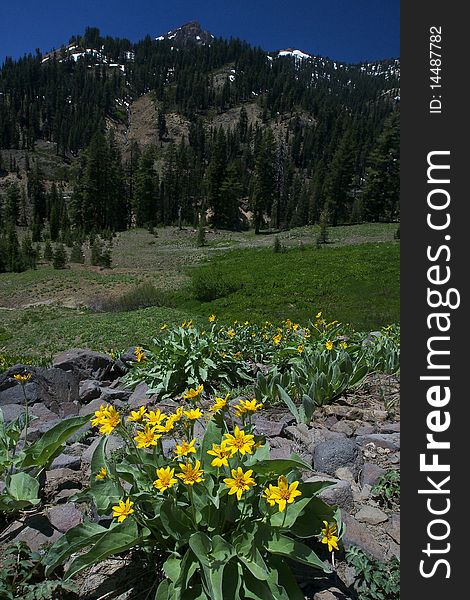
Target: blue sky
348, 30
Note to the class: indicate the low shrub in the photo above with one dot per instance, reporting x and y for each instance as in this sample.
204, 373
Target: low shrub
208, 285
141, 296
387, 489
375, 580
22, 576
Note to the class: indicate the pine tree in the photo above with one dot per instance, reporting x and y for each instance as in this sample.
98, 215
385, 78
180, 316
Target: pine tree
146, 190
37, 194
231, 193
14, 258
381, 192
215, 177
48, 252
105, 260
96, 252
265, 182
76, 254
161, 127
12, 205
59, 260
201, 233
29, 252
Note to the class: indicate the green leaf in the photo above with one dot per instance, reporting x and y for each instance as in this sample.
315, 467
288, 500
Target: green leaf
175, 521
74, 540
280, 466
213, 555
310, 523
42, 451
287, 519
289, 403
281, 573
119, 538
286, 546
24, 488
163, 591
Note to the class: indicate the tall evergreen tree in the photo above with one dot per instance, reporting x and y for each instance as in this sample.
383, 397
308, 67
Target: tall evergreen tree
381, 191
264, 179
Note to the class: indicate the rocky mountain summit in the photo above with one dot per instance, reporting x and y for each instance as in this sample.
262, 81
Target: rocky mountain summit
190, 33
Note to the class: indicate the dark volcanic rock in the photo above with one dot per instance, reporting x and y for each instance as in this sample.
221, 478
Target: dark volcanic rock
332, 454
382, 440
89, 390
52, 387
87, 364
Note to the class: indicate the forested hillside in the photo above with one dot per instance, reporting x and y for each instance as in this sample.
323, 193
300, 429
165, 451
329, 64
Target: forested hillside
104, 134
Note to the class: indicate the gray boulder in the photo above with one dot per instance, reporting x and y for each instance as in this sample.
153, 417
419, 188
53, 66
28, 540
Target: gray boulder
87, 364
332, 454
52, 387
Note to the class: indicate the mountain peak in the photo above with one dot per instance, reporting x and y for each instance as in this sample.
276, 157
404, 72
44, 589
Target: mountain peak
189, 33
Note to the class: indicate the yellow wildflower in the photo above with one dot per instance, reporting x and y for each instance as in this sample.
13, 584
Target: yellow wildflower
193, 392
282, 494
221, 453
167, 426
329, 536
123, 510
300, 348
247, 406
329, 345
139, 354
22, 378
165, 479
191, 474
137, 415
193, 414
237, 355
240, 442
219, 403
211, 318
231, 333
163, 327
277, 338
147, 437
103, 473
107, 418
185, 448
155, 417
239, 482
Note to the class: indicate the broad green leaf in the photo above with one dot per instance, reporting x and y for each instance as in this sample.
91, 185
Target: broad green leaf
213, 555
280, 466
310, 523
286, 546
163, 591
281, 573
23, 488
287, 518
283, 395
176, 521
42, 451
71, 542
119, 538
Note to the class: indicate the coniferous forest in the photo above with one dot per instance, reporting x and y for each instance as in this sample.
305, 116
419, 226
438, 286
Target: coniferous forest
268, 142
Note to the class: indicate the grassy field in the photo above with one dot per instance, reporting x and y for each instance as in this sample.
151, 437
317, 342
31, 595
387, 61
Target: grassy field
355, 279
356, 284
